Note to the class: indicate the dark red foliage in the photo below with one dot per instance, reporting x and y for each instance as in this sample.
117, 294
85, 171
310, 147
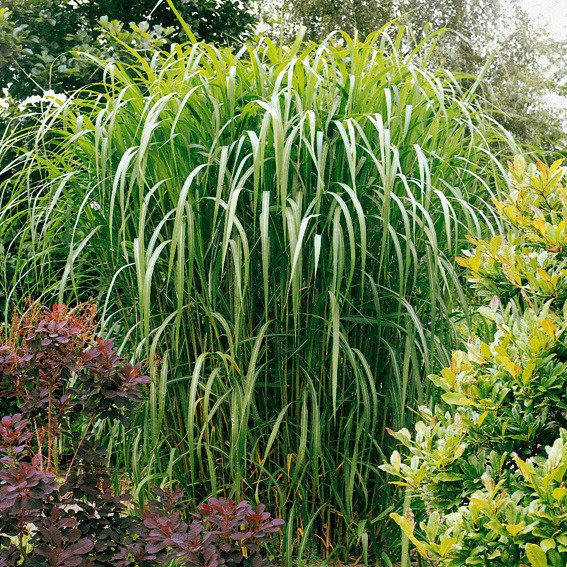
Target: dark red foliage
48, 347
14, 435
24, 489
61, 541
60, 508
223, 532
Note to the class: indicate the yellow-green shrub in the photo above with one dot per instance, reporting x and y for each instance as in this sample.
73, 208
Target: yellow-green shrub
486, 467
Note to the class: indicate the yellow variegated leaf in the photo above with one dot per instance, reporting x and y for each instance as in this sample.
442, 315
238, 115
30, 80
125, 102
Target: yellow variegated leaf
528, 372
526, 468
511, 367
536, 343
485, 350
408, 531
515, 529
495, 243
549, 327
540, 225
446, 545
449, 376
544, 276
457, 359
536, 555
498, 204
482, 504
481, 418
547, 544
474, 263
464, 262
456, 398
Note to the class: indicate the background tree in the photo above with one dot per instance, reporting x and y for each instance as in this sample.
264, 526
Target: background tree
525, 65
38, 37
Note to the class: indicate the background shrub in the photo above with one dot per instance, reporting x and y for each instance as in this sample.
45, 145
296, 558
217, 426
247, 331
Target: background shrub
488, 464
43, 42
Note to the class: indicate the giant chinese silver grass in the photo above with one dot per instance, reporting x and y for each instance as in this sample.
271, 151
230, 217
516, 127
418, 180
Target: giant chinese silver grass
273, 227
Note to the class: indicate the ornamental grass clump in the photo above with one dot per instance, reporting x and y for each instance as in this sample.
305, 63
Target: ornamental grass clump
486, 467
60, 503
271, 227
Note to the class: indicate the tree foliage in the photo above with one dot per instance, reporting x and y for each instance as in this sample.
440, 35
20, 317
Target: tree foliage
525, 60
38, 38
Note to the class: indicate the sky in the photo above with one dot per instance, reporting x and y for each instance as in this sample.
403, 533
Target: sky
551, 12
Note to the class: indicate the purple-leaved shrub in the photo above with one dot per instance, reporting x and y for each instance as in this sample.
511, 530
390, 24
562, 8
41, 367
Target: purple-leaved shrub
59, 507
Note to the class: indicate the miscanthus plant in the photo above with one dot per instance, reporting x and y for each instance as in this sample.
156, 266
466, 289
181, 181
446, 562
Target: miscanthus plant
271, 228
488, 464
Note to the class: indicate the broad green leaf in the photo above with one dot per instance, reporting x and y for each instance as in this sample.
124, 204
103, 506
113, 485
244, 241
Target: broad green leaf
536, 555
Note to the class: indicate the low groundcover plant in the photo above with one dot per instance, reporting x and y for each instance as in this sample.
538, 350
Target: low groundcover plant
59, 505
486, 468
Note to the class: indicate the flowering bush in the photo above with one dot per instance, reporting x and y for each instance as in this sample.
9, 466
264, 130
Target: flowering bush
58, 506
487, 466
